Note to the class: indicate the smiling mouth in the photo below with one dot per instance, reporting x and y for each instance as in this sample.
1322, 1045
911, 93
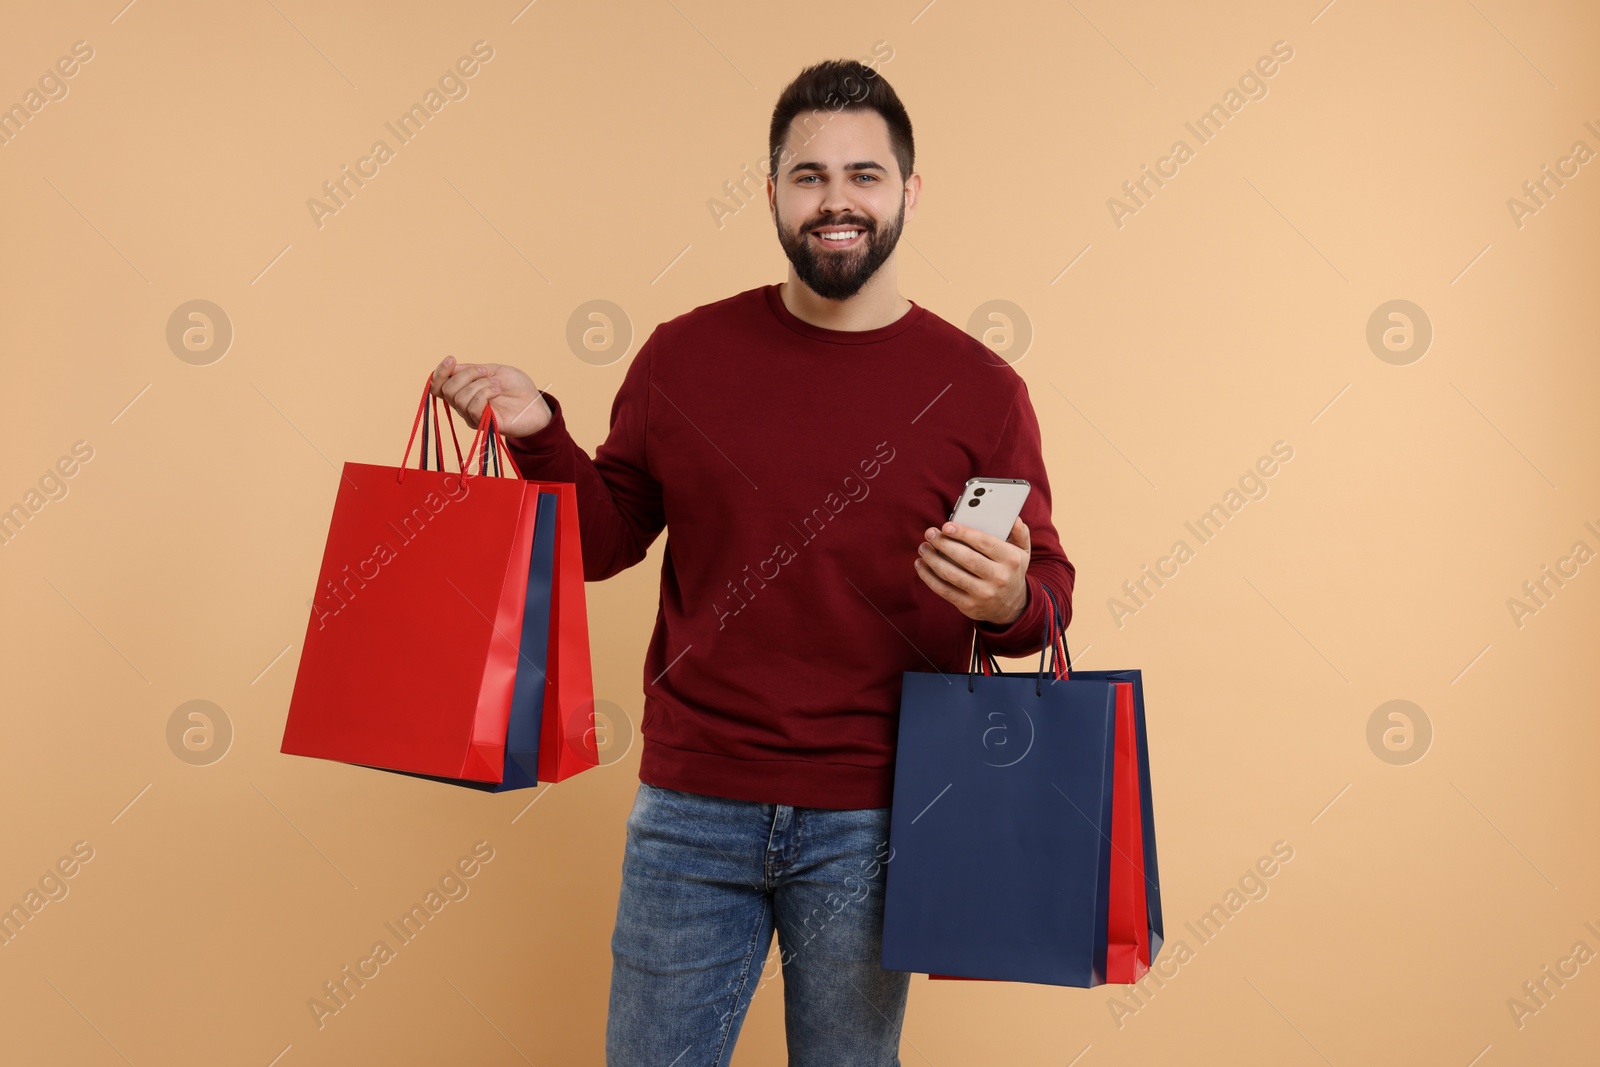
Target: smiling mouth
839, 238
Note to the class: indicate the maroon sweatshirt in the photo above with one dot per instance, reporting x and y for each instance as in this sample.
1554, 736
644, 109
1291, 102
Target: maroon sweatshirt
795, 469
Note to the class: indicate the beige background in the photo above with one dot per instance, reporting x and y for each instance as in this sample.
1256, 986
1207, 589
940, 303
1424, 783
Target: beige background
1229, 313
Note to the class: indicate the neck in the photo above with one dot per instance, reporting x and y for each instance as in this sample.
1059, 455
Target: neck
878, 304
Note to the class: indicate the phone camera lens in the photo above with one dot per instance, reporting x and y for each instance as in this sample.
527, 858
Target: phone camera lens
978, 491
973, 502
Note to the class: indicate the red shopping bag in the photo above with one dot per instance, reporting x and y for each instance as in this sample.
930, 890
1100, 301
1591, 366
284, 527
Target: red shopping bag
1127, 932
567, 742
1133, 919
411, 650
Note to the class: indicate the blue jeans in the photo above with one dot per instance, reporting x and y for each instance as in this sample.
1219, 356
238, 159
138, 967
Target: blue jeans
705, 881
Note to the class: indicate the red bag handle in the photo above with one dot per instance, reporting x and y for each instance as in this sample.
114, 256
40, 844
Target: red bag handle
495, 443
1053, 642
422, 419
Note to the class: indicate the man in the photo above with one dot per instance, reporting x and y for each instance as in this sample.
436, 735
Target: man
802, 442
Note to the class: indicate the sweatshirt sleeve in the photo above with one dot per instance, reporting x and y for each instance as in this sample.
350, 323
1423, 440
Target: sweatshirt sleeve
620, 509
1019, 455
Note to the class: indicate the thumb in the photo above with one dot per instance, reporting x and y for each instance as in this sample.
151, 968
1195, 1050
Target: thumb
1019, 535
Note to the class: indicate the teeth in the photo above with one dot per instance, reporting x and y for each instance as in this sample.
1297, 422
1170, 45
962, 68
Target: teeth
846, 235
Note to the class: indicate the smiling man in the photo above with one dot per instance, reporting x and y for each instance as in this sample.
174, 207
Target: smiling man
801, 443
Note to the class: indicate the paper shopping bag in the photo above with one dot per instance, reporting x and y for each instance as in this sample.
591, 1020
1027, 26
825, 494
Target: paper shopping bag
567, 743
528, 691
1134, 925
552, 733
411, 653
1021, 882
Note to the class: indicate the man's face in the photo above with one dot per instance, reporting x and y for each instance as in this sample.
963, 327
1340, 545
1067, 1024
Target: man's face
843, 179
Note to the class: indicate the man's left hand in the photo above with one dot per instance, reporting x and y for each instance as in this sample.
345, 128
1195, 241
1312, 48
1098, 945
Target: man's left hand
980, 574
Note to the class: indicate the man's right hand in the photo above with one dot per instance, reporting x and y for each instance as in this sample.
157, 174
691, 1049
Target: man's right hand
519, 406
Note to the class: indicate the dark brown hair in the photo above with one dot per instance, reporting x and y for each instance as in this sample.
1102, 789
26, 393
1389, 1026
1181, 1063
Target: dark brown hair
841, 85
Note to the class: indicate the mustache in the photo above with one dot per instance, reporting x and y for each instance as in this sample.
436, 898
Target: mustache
841, 222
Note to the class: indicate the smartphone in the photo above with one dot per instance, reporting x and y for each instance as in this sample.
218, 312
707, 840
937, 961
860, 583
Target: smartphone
991, 504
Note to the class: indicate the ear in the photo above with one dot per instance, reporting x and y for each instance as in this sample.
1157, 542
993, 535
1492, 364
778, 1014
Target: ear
913, 195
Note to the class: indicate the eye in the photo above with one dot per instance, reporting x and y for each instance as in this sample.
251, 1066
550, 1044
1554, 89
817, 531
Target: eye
807, 179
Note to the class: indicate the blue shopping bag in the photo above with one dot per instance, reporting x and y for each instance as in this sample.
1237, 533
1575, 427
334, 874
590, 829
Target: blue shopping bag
1000, 829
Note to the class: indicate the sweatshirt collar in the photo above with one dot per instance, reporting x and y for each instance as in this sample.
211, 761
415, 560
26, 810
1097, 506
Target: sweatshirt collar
841, 337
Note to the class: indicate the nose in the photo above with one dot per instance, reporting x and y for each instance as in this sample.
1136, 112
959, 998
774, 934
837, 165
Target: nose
838, 201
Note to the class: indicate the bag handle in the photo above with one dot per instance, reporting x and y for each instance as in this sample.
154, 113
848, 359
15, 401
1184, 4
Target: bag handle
423, 419
1052, 643
433, 408
488, 436
1058, 651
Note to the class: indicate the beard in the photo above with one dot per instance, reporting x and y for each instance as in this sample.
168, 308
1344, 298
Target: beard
840, 274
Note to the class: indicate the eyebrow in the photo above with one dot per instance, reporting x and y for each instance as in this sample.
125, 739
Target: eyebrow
812, 165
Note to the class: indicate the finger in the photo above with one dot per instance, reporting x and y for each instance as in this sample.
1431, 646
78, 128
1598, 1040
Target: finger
988, 544
463, 375
441, 374
985, 564
472, 400
487, 370
947, 570
938, 584
1020, 536
961, 559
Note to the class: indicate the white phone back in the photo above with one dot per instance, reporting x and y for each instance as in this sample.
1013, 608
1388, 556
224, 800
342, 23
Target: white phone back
997, 506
